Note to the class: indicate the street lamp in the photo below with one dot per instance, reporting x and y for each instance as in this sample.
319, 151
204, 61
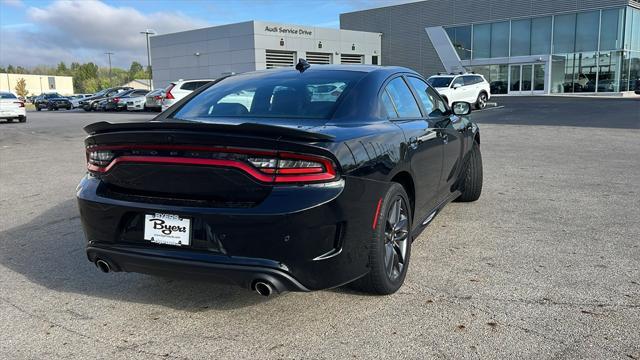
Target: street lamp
108, 53
146, 33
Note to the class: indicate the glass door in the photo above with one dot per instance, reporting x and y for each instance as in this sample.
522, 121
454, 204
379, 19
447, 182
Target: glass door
526, 79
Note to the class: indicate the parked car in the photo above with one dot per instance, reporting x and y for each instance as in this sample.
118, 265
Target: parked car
119, 101
52, 101
179, 89
472, 88
153, 100
11, 107
287, 194
93, 102
137, 102
75, 99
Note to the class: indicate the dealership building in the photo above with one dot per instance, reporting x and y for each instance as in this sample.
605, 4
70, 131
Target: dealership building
520, 46
255, 45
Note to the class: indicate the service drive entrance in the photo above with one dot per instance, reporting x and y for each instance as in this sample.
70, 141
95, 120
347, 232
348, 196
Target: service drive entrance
526, 79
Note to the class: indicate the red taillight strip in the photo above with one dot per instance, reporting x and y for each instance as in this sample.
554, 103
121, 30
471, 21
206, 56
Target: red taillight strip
183, 161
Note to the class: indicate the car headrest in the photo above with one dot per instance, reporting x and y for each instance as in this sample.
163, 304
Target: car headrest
229, 109
287, 102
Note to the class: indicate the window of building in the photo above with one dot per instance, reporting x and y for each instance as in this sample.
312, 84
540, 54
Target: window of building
318, 58
278, 58
351, 59
403, 99
586, 72
541, 36
374, 60
609, 63
481, 41
461, 39
500, 39
611, 24
520, 37
587, 29
564, 33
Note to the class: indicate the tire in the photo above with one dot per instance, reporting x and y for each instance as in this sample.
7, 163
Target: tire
383, 279
471, 184
9, 120
22, 118
87, 108
481, 101
38, 108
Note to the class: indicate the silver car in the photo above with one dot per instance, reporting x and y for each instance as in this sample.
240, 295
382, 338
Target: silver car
153, 100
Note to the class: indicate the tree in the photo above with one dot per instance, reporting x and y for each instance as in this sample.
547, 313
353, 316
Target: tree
10, 69
62, 69
2, 70
21, 87
134, 69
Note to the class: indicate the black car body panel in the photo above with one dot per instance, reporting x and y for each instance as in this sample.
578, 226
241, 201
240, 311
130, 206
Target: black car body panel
298, 236
91, 103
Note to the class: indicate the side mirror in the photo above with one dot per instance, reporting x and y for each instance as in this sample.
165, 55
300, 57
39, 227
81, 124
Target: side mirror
455, 86
461, 108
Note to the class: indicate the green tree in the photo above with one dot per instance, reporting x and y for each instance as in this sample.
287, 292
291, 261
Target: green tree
134, 69
2, 70
21, 87
62, 69
11, 69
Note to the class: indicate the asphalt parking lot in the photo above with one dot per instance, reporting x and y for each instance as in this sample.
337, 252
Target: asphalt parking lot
545, 265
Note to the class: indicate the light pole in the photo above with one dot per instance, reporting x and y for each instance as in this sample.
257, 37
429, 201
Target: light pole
109, 55
146, 33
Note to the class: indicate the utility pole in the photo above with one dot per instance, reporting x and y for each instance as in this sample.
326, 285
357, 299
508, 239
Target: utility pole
109, 55
146, 33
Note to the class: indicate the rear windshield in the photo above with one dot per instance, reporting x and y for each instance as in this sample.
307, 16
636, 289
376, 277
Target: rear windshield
7, 96
439, 82
282, 94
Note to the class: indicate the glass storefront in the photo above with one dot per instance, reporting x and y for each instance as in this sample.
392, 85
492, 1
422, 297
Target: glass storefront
591, 51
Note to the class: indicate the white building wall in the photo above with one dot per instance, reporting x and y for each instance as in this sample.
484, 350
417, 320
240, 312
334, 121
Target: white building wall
220, 50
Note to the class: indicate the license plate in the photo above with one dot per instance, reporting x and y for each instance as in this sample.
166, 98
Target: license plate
167, 229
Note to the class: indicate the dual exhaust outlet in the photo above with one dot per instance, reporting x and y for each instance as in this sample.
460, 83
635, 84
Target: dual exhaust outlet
263, 288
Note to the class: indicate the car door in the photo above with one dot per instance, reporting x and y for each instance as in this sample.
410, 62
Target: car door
457, 90
451, 129
471, 88
424, 148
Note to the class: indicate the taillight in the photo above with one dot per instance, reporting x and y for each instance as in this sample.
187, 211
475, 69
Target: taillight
116, 100
157, 97
168, 94
265, 166
20, 103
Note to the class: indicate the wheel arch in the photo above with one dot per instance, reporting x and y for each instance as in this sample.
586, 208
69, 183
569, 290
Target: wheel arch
405, 179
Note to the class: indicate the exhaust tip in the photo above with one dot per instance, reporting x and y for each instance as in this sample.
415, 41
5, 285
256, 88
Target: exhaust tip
263, 288
103, 266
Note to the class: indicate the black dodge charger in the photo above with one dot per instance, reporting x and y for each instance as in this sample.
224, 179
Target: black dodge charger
280, 180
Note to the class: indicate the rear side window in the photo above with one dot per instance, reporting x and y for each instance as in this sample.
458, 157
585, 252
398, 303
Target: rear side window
421, 88
272, 95
405, 103
458, 81
7, 96
387, 106
440, 82
472, 79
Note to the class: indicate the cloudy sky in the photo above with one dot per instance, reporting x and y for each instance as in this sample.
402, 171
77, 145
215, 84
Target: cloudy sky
44, 32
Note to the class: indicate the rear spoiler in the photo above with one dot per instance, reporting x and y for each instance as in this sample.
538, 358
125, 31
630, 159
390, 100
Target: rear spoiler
246, 128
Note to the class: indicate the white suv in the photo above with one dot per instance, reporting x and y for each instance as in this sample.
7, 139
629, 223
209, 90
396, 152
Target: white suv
179, 89
472, 88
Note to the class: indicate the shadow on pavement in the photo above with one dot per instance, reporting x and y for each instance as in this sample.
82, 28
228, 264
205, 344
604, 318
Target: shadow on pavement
49, 251
622, 113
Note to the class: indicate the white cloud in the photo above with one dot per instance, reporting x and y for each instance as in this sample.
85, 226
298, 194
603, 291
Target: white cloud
83, 30
14, 3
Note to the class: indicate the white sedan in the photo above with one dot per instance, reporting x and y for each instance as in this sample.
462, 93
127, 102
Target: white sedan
11, 107
137, 103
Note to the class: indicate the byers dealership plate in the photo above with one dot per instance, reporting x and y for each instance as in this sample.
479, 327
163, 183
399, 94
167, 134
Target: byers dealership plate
167, 229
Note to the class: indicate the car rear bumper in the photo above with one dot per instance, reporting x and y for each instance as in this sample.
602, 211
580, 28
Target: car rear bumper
299, 238
12, 113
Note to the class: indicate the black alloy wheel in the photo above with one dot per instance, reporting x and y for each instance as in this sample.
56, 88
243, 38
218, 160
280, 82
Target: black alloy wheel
396, 235
390, 246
